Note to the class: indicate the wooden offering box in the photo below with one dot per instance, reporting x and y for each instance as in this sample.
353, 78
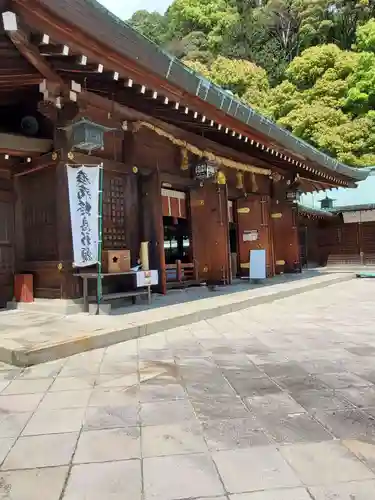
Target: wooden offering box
116, 261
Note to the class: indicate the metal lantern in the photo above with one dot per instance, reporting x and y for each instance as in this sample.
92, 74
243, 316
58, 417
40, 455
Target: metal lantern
205, 170
293, 195
87, 135
326, 203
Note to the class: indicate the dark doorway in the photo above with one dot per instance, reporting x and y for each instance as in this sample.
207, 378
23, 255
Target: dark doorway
176, 240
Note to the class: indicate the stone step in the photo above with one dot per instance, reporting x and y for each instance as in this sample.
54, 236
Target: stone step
103, 331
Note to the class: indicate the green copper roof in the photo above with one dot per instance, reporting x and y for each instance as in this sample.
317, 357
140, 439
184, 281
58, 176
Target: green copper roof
147, 54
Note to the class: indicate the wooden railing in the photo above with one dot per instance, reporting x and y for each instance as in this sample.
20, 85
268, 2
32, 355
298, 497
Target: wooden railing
181, 273
351, 259
343, 259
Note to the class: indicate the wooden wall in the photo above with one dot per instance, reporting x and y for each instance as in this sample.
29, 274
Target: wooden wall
367, 240
210, 232
311, 252
330, 241
6, 238
348, 243
38, 191
253, 214
156, 152
285, 237
36, 230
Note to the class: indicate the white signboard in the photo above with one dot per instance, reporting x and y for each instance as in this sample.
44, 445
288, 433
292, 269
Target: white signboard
147, 278
252, 235
257, 270
83, 183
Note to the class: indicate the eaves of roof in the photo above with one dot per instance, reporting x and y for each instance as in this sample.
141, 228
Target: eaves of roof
353, 208
148, 55
314, 211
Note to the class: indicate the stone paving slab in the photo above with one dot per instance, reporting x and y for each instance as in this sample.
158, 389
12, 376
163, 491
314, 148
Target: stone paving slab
185, 414
28, 338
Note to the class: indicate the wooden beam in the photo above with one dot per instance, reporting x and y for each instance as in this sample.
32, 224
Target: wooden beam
54, 50
123, 112
178, 181
19, 145
38, 163
112, 165
21, 41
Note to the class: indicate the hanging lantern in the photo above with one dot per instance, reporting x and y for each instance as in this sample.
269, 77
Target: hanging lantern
220, 178
239, 178
87, 135
184, 159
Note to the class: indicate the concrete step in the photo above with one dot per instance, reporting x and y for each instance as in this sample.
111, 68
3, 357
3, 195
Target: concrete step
82, 333
51, 306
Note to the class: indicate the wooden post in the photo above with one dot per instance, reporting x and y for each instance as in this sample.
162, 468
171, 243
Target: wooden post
178, 271
99, 289
152, 225
69, 284
19, 235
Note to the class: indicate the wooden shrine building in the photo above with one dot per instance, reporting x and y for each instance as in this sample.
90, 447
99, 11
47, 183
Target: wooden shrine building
338, 227
187, 167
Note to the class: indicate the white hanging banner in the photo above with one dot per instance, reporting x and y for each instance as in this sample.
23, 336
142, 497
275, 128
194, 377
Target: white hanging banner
83, 182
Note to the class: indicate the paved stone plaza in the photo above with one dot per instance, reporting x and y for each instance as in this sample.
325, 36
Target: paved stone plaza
276, 402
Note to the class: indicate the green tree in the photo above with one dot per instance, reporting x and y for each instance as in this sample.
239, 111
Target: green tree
243, 78
238, 76
328, 100
185, 16
346, 16
304, 70
361, 93
151, 24
307, 64
366, 37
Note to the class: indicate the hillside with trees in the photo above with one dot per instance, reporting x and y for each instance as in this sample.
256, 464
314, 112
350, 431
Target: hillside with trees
307, 64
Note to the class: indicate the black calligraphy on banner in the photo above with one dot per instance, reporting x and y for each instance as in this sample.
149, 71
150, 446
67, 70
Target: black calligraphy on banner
84, 208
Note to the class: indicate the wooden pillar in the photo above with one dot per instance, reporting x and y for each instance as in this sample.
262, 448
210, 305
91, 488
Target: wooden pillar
210, 227
19, 233
70, 286
6, 239
152, 224
132, 205
178, 271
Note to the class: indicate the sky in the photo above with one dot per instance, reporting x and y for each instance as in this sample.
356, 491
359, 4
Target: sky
125, 8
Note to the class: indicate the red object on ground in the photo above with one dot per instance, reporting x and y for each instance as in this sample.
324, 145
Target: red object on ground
24, 288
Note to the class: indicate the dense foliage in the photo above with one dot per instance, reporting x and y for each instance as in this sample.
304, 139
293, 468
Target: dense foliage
307, 64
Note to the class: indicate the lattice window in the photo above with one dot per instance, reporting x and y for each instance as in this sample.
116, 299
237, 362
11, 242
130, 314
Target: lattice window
114, 212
